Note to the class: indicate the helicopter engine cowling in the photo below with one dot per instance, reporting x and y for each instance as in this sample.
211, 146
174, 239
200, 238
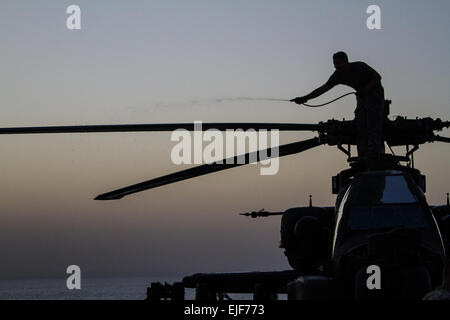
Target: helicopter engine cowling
305, 236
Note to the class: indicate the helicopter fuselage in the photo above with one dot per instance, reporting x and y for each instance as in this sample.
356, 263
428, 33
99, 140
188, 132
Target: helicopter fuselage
381, 219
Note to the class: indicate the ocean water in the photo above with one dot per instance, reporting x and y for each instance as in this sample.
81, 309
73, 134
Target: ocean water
91, 289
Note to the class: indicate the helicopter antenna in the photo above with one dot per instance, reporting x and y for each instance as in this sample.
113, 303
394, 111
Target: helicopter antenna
448, 202
310, 201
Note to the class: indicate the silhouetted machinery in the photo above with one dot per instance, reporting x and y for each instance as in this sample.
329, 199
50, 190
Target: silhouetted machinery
381, 218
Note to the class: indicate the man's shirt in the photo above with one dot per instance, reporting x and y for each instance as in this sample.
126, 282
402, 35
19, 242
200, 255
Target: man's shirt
355, 74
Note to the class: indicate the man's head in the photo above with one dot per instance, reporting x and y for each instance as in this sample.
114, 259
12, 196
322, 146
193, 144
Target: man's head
340, 59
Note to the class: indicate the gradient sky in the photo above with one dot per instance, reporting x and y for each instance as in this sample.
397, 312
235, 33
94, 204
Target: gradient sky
166, 61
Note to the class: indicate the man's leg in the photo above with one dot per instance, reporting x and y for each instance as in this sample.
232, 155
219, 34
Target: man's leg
375, 116
361, 128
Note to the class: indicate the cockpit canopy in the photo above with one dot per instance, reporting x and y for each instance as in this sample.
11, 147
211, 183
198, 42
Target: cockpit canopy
380, 201
379, 189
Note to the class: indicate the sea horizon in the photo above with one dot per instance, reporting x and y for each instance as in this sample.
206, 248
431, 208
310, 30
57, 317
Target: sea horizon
93, 288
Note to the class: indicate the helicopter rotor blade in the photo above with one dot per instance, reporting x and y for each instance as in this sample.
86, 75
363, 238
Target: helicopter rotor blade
229, 163
441, 139
159, 127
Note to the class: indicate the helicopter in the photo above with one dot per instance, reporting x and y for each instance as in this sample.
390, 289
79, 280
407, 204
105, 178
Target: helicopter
381, 217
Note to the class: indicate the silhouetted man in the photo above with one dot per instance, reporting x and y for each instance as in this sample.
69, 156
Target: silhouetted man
442, 292
369, 111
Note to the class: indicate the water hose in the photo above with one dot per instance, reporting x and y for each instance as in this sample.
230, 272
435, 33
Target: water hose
324, 104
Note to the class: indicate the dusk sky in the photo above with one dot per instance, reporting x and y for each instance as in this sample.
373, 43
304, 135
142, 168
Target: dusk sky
168, 61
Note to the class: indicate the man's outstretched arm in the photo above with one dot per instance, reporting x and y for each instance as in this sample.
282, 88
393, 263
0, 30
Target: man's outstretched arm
314, 94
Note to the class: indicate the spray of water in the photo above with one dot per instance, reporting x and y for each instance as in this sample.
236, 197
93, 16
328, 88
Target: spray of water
250, 99
284, 100
219, 100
